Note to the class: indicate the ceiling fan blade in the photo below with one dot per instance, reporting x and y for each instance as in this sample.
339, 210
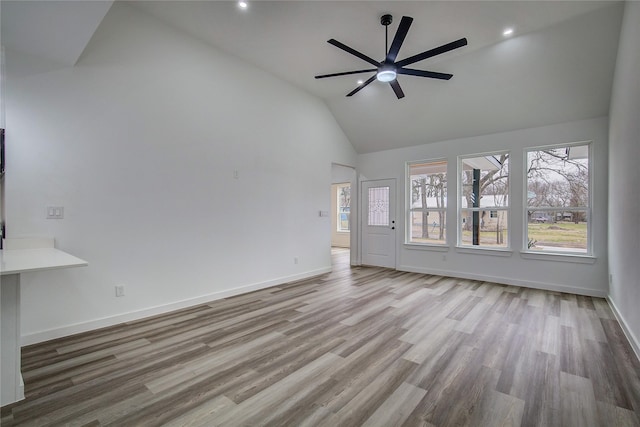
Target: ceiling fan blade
422, 73
356, 90
396, 88
433, 52
401, 33
354, 52
346, 73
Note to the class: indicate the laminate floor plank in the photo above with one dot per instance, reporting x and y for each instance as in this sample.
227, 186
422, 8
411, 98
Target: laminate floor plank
357, 346
395, 410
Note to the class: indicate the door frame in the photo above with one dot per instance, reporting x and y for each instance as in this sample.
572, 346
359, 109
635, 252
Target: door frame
354, 251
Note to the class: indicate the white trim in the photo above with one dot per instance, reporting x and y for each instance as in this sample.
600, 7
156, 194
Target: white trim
407, 197
459, 193
633, 340
507, 281
426, 247
587, 209
560, 257
484, 250
104, 322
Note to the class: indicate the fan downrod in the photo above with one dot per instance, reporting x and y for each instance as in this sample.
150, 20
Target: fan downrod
386, 20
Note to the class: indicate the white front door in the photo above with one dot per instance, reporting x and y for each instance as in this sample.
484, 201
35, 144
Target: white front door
379, 223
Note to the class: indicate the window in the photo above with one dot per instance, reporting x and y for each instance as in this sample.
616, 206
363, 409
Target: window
558, 200
484, 201
344, 207
427, 185
378, 206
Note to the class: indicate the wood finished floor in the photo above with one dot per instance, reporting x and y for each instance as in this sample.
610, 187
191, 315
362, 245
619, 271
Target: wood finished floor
358, 346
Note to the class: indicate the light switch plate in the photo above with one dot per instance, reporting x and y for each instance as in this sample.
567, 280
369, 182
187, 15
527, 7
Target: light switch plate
55, 212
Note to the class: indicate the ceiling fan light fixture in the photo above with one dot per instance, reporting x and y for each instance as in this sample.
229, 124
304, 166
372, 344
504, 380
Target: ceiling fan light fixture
386, 74
386, 71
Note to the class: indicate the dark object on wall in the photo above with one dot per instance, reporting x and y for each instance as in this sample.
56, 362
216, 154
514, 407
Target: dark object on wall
1, 152
2, 229
387, 70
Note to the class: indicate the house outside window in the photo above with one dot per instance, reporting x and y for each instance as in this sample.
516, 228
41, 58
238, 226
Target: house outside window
558, 201
427, 202
483, 212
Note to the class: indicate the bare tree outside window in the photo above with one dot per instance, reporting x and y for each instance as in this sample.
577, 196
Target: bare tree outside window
558, 201
428, 202
484, 183
344, 207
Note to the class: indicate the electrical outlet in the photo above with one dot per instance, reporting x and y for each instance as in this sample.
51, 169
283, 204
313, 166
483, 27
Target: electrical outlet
295, 259
119, 290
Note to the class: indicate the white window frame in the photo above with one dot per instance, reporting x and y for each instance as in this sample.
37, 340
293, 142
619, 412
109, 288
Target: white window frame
463, 247
409, 210
525, 232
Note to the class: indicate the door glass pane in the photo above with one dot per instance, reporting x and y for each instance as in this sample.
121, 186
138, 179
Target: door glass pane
378, 206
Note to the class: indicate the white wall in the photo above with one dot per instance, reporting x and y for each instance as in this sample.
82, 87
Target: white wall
624, 177
139, 142
566, 275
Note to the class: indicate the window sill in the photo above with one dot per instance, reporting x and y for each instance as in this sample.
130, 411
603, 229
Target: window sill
426, 247
560, 257
484, 251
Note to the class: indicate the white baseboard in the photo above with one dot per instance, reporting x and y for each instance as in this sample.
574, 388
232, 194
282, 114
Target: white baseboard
104, 322
507, 281
633, 340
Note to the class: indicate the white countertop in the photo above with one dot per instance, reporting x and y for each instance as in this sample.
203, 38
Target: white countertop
14, 261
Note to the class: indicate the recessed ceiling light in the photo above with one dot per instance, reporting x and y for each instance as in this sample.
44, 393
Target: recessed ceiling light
360, 82
507, 32
243, 4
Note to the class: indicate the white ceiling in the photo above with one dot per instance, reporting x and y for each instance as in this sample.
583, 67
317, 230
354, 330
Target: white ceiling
558, 65
54, 30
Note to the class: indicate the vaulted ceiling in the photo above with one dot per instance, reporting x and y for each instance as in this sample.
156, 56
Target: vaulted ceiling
557, 66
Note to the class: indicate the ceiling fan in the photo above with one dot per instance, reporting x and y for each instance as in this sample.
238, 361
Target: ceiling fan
387, 70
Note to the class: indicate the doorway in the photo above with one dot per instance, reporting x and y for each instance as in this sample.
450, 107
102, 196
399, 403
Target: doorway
343, 209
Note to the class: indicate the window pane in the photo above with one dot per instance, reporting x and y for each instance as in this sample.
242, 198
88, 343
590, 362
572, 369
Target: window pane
484, 184
428, 184
491, 231
558, 177
490, 174
344, 207
557, 231
379, 206
427, 227
427, 202
558, 199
